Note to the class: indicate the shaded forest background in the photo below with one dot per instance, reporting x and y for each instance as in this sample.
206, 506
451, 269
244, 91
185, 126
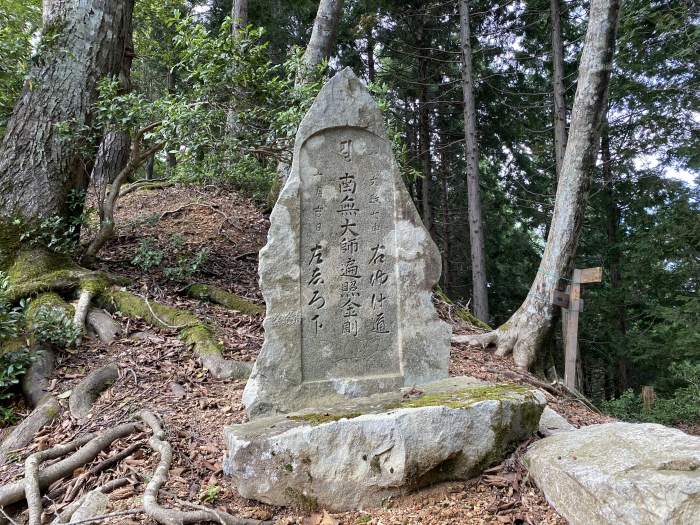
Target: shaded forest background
227, 104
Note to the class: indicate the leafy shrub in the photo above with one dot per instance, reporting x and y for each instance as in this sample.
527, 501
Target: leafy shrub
52, 325
187, 266
13, 365
147, 255
10, 317
682, 406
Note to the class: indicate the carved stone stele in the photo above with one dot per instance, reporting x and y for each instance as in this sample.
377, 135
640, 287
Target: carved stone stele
348, 269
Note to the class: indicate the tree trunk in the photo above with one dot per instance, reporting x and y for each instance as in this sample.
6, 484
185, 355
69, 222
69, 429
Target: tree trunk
613, 227
170, 158
446, 247
41, 162
424, 123
371, 72
323, 36
558, 86
149, 167
476, 222
239, 14
525, 331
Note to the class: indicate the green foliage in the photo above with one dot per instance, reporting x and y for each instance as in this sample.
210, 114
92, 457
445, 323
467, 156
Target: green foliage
682, 406
13, 365
60, 234
19, 20
53, 326
10, 316
148, 255
211, 493
187, 266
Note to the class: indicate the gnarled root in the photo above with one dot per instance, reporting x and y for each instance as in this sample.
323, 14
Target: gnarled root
89, 446
522, 336
191, 329
166, 516
89, 389
24, 433
35, 382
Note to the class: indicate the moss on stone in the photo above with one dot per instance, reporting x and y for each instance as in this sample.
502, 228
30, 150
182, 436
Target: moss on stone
465, 398
15, 344
298, 499
9, 243
318, 419
220, 296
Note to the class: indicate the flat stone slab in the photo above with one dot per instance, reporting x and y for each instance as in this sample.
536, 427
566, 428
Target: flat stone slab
358, 453
620, 473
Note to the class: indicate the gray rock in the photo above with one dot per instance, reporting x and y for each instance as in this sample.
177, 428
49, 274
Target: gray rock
552, 423
356, 455
620, 473
348, 269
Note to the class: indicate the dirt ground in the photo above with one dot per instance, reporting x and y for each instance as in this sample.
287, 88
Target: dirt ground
160, 372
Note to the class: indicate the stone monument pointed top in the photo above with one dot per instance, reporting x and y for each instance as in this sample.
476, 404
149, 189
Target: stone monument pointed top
348, 269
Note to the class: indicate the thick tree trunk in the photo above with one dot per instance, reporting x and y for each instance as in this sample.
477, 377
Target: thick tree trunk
558, 86
371, 72
323, 36
39, 163
476, 223
446, 245
525, 331
239, 15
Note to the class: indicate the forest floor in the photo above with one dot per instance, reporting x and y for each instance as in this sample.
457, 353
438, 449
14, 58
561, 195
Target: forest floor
160, 372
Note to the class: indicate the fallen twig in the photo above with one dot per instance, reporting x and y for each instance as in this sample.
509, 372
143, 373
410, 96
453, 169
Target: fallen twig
118, 514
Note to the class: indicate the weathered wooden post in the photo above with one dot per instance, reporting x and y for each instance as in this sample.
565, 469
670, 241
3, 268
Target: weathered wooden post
570, 300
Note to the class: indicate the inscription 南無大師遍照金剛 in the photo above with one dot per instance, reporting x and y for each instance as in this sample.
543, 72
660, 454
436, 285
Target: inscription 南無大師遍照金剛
349, 283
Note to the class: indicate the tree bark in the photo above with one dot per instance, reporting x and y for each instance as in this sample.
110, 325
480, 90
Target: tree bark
424, 123
476, 223
170, 158
558, 86
323, 37
41, 157
525, 331
371, 72
613, 228
239, 15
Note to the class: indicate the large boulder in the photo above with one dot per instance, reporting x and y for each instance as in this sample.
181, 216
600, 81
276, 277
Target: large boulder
357, 454
620, 473
552, 423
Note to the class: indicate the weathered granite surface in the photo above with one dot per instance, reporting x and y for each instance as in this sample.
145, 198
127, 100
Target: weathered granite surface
552, 423
348, 270
355, 455
620, 473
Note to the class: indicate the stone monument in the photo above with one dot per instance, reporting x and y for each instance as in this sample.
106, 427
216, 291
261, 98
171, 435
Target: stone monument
349, 399
348, 269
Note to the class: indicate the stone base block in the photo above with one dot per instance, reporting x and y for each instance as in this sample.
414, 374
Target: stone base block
355, 455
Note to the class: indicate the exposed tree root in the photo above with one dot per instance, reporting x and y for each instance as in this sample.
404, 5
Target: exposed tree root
191, 330
522, 336
166, 516
145, 185
90, 388
67, 513
81, 309
88, 447
214, 294
24, 433
103, 325
35, 382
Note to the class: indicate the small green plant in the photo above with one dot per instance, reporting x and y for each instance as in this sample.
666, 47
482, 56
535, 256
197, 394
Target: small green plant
177, 241
187, 266
10, 317
147, 255
52, 325
211, 493
13, 365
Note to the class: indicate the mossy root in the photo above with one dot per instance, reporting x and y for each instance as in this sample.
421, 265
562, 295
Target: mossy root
192, 330
214, 294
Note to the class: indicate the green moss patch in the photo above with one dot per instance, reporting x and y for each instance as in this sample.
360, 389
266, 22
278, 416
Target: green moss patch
214, 294
319, 419
462, 313
467, 397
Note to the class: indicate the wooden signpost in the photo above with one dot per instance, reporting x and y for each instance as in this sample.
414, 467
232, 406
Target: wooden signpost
569, 299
